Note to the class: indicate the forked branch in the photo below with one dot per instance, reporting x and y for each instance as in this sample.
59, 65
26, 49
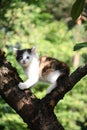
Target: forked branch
63, 87
35, 112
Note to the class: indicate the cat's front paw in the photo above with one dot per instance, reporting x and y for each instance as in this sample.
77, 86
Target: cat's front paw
22, 86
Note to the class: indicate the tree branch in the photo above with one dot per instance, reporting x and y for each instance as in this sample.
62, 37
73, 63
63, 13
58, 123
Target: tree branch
17, 99
35, 112
63, 87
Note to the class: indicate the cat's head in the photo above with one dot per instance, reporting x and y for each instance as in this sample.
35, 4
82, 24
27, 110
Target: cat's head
25, 56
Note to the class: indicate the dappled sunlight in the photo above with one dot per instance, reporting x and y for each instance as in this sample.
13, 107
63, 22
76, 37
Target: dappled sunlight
48, 26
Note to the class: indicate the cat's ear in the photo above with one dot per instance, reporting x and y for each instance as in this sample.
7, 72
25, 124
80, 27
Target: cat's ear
15, 50
34, 50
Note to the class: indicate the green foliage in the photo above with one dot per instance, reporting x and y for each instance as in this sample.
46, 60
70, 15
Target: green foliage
72, 109
60, 9
42, 23
9, 120
77, 9
80, 45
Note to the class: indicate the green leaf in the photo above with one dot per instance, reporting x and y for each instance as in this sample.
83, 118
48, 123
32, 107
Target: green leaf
77, 9
80, 45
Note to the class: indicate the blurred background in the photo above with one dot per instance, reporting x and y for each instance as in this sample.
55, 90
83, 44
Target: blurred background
48, 26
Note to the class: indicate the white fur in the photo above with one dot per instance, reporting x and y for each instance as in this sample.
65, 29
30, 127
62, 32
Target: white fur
51, 87
24, 61
52, 77
31, 69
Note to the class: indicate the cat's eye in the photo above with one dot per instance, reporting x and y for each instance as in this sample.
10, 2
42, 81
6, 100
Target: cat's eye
21, 57
27, 57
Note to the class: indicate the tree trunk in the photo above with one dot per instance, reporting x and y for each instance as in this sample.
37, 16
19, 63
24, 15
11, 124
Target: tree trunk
38, 114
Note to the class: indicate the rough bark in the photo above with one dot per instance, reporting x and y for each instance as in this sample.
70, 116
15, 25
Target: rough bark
38, 114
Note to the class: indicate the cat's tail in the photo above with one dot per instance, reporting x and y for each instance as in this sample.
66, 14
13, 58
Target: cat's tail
61, 81
65, 70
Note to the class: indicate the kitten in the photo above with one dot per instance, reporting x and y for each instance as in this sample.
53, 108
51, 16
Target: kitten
37, 68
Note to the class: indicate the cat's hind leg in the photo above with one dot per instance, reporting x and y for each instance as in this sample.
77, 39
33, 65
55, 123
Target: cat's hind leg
51, 87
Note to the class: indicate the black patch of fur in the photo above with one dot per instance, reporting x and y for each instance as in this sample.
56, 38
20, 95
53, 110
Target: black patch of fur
56, 65
20, 53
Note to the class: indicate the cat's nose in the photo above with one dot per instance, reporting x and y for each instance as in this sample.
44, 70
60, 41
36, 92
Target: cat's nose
24, 62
